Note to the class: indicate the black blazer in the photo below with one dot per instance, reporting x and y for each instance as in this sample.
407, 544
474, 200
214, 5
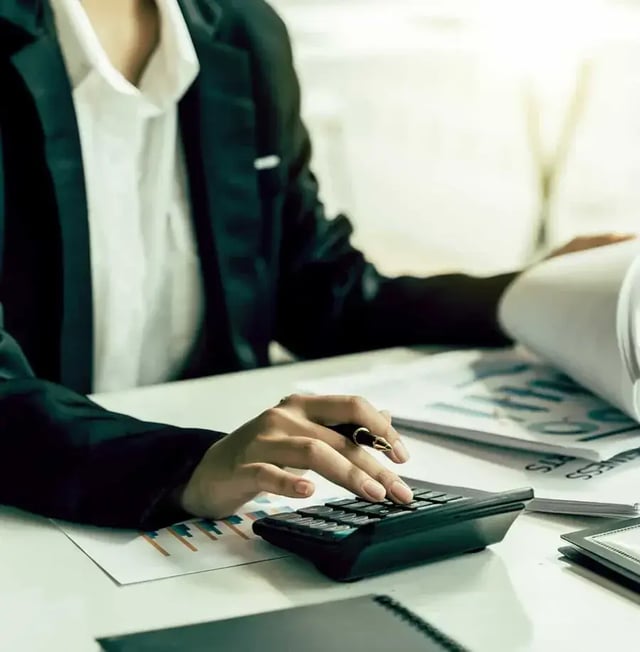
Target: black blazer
274, 266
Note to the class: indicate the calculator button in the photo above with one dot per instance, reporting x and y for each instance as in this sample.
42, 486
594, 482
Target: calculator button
342, 502
320, 525
377, 510
364, 520
357, 519
342, 531
445, 498
426, 505
287, 517
349, 518
413, 505
360, 504
358, 508
305, 521
320, 510
396, 512
427, 494
334, 514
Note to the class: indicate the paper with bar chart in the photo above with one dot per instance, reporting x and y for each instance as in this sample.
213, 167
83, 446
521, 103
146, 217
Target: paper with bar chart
131, 557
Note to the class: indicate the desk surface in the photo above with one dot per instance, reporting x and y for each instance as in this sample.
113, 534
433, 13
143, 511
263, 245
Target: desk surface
515, 596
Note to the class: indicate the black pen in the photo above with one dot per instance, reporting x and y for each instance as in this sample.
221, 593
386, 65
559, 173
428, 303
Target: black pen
362, 436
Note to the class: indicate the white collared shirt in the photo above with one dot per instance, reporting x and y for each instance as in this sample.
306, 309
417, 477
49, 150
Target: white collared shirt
146, 279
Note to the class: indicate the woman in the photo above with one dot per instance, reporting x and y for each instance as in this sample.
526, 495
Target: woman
159, 221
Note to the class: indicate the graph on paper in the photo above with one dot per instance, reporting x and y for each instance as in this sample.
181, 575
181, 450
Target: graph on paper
193, 535
504, 398
191, 547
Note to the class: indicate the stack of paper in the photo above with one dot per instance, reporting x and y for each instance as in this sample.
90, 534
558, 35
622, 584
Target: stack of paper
507, 398
563, 484
579, 453
563, 420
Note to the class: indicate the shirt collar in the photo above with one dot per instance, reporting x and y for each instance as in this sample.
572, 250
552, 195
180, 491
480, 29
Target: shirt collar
170, 71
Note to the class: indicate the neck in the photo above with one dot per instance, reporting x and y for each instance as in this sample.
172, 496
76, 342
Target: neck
129, 31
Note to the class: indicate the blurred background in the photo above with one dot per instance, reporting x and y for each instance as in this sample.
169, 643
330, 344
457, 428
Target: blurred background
471, 134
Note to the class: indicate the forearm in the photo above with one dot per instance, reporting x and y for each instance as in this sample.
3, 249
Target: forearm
339, 303
452, 309
63, 456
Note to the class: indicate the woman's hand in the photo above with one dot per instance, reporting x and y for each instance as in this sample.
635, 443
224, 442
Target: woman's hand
295, 434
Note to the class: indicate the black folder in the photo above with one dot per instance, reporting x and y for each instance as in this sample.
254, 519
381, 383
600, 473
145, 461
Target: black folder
611, 550
373, 623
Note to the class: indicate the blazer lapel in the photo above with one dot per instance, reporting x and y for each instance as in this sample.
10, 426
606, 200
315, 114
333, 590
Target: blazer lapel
42, 69
219, 132
218, 123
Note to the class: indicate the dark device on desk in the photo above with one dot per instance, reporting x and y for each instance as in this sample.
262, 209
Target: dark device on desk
611, 550
351, 539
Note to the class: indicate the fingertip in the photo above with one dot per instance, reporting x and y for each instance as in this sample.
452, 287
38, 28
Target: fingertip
392, 456
304, 488
401, 453
401, 492
373, 490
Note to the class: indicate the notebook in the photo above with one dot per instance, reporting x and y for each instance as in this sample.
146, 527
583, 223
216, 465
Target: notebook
374, 623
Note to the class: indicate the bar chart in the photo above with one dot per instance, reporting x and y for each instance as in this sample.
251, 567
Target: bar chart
190, 534
191, 547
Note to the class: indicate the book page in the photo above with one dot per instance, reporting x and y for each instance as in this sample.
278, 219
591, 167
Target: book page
577, 312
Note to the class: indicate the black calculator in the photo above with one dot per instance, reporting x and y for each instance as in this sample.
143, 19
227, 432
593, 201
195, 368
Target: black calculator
351, 538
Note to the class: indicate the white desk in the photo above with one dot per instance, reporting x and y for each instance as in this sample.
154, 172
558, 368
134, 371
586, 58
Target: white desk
515, 596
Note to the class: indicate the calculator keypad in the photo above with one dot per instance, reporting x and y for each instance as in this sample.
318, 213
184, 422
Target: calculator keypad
339, 518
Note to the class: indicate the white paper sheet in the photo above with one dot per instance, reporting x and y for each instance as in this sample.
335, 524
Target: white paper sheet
194, 546
562, 484
505, 398
580, 312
